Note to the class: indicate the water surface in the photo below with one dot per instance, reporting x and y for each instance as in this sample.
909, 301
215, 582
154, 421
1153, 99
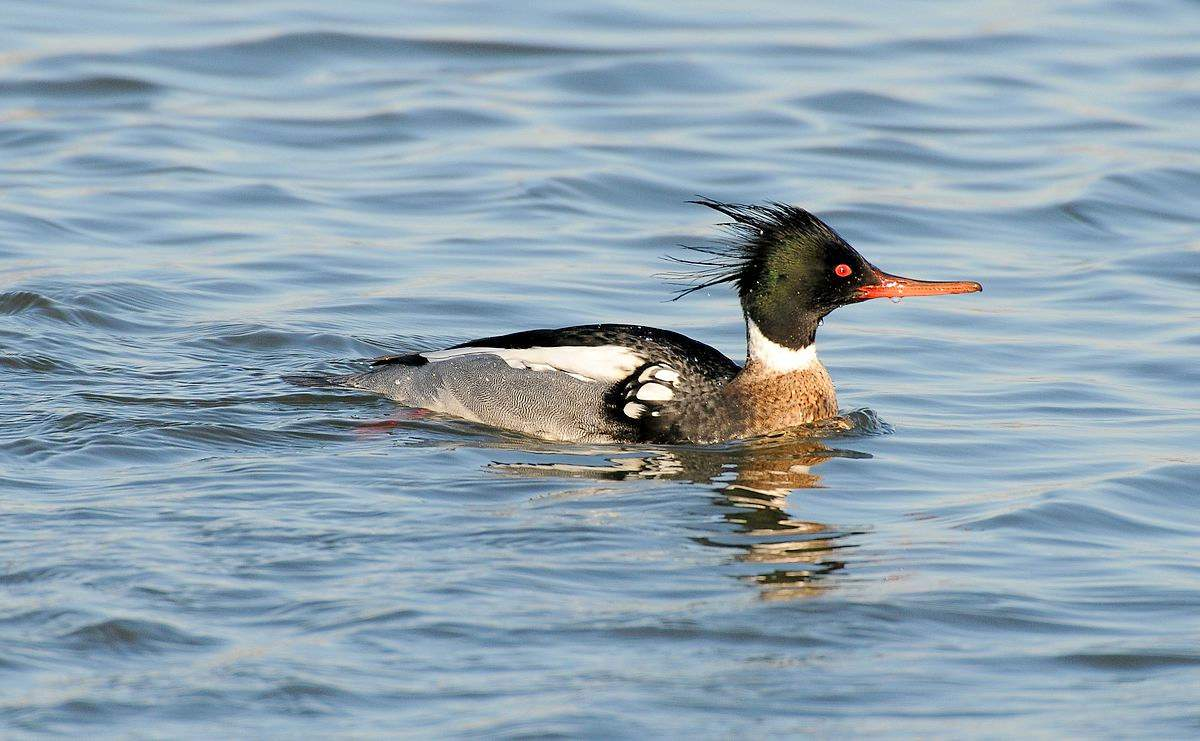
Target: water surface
198, 199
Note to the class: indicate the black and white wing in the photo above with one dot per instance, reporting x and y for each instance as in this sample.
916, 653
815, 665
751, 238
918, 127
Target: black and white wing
588, 382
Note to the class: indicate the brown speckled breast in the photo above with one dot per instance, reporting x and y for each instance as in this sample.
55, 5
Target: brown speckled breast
774, 401
756, 402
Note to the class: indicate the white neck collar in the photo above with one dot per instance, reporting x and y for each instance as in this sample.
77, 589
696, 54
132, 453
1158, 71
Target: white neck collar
773, 357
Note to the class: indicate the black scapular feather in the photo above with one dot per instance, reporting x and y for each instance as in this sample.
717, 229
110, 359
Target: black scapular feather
756, 230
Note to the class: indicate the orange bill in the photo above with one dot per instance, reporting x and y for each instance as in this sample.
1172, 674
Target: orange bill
895, 286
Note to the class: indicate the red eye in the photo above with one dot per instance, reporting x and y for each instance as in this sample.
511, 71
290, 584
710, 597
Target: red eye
843, 270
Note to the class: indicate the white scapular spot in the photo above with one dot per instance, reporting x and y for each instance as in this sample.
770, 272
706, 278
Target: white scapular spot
602, 363
667, 375
659, 373
655, 392
633, 410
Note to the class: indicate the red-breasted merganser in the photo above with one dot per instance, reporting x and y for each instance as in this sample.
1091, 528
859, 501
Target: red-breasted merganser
625, 383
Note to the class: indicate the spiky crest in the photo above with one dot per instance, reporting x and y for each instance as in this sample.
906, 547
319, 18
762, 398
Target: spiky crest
754, 232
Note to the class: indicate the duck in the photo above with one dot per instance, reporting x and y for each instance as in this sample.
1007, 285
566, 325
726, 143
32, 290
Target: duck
624, 383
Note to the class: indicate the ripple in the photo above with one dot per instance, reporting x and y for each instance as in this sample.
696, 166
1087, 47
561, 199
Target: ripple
1076, 518
119, 165
86, 87
643, 78
382, 128
33, 227
250, 338
865, 103
909, 154
17, 302
111, 307
32, 575
307, 698
125, 635
293, 53
1150, 660
1171, 63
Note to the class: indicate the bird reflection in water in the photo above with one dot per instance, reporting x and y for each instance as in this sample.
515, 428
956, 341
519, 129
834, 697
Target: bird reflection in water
786, 557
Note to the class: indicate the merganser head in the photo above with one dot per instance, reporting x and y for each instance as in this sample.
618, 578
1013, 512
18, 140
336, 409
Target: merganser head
791, 269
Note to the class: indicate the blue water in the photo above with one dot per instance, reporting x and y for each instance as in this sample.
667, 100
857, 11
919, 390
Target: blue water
196, 199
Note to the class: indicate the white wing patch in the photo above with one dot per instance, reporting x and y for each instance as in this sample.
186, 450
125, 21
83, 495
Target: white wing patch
597, 364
